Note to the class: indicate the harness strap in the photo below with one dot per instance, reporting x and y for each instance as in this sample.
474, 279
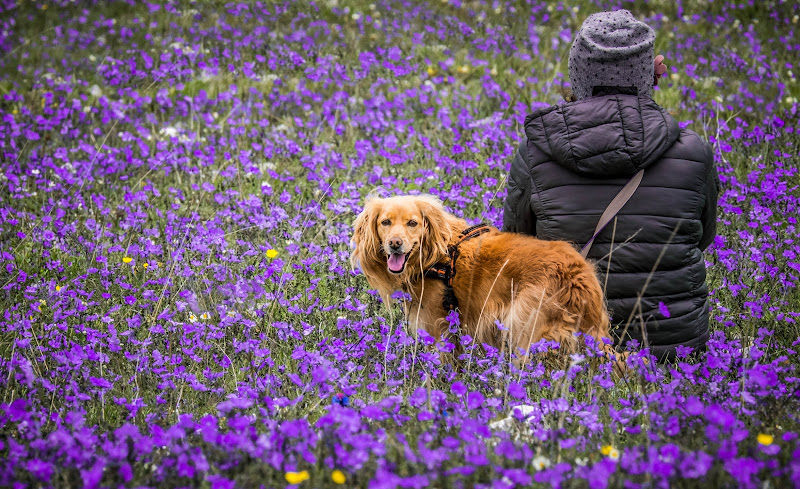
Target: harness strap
447, 270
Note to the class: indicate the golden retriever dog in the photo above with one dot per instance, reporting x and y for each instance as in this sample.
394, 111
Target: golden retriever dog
536, 289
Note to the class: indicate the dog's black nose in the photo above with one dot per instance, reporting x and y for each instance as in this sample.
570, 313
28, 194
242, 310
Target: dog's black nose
395, 243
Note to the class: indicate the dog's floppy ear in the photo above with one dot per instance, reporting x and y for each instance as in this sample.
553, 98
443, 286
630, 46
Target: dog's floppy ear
437, 229
366, 243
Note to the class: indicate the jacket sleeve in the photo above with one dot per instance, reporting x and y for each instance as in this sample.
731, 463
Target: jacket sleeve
709, 215
518, 217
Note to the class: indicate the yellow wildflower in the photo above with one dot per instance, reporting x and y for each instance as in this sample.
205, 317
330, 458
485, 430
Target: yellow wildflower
58, 287
610, 452
272, 253
765, 439
431, 71
145, 265
127, 259
296, 477
463, 69
337, 476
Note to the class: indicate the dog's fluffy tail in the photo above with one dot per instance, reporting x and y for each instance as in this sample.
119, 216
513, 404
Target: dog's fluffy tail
584, 301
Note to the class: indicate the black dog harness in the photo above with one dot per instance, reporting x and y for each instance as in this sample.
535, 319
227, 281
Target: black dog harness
447, 270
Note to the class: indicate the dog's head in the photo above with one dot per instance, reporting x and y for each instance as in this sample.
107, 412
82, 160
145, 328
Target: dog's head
400, 234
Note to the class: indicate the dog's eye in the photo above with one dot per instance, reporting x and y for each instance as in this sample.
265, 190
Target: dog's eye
412, 223
386, 222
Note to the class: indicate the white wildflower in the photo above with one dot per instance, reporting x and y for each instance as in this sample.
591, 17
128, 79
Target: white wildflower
540, 462
169, 131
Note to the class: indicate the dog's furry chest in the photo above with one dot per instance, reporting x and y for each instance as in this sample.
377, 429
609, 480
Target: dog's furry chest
425, 310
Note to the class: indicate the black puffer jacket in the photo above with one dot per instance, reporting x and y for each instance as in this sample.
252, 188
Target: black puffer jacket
575, 159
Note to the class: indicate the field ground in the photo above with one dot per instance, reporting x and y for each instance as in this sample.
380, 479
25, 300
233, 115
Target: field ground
178, 185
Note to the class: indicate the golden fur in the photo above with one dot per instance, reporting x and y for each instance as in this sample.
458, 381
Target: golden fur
537, 289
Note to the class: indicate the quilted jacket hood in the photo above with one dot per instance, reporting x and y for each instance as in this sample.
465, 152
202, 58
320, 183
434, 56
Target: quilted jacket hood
604, 136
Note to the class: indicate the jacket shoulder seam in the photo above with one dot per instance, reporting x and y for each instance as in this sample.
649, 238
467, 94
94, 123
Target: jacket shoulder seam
569, 137
624, 132
534, 183
546, 136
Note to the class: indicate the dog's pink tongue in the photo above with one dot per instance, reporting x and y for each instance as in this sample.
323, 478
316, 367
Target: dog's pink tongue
396, 262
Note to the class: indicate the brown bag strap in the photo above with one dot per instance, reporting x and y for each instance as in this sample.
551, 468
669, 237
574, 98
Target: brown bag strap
614, 207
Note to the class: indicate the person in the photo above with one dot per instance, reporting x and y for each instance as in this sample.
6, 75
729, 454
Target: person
578, 155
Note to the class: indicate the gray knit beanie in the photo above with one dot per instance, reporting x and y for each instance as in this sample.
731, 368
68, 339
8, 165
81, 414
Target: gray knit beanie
612, 49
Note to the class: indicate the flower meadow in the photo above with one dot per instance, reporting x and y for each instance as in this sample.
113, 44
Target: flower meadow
178, 182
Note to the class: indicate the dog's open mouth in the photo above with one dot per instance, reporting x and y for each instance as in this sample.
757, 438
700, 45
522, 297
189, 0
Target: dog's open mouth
397, 262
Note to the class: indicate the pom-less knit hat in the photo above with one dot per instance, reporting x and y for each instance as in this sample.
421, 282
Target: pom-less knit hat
612, 49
